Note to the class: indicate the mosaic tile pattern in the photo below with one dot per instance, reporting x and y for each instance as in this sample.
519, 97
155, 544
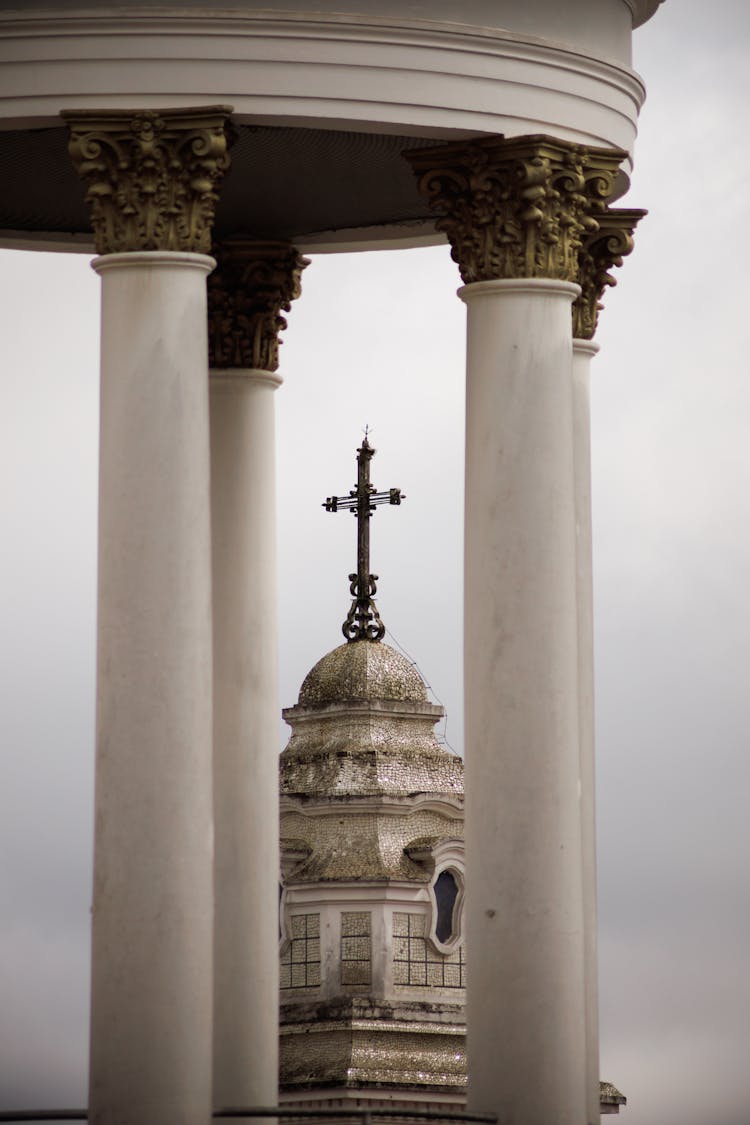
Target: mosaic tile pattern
362, 670
379, 1053
356, 947
356, 755
300, 962
416, 964
349, 844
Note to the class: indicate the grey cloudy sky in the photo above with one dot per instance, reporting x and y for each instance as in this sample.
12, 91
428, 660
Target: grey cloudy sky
379, 338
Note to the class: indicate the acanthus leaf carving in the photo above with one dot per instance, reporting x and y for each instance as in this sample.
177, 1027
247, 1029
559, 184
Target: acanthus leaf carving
602, 250
254, 283
519, 207
152, 177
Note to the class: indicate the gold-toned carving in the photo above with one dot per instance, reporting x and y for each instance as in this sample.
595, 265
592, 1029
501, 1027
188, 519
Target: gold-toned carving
253, 283
517, 208
600, 252
152, 177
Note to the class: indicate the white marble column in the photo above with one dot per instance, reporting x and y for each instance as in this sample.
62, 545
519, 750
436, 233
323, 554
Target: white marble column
152, 912
583, 353
253, 282
152, 182
516, 213
246, 735
604, 247
525, 1004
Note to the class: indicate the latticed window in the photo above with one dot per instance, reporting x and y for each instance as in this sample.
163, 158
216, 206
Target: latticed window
300, 962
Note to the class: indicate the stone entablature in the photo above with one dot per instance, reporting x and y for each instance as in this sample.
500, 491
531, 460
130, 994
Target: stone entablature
496, 72
311, 80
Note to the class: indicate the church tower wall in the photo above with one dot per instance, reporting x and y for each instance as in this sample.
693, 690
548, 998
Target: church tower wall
372, 999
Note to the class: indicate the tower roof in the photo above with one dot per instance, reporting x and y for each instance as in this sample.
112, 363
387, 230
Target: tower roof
362, 671
363, 726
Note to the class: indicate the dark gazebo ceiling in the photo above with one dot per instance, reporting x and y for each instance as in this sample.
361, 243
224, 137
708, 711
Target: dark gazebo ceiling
283, 183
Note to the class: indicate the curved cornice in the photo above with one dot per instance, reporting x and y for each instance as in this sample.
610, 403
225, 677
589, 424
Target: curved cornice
424, 77
392, 79
448, 805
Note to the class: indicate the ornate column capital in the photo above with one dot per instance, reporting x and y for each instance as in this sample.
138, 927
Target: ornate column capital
601, 251
251, 285
152, 176
517, 208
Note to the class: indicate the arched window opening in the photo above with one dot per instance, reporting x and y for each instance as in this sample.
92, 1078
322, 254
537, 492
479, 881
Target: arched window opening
446, 893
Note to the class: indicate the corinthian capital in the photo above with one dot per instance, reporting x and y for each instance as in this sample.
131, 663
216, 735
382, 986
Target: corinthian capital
601, 251
516, 208
152, 177
252, 284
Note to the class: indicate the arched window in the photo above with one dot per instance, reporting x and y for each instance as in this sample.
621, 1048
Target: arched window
446, 893
443, 859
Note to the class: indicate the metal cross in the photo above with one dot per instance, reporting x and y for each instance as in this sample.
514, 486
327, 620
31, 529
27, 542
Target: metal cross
363, 620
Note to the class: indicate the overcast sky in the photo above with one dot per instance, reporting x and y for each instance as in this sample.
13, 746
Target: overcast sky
379, 339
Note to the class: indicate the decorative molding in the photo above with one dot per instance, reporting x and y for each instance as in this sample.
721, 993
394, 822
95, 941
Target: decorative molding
152, 177
251, 285
601, 251
438, 854
427, 78
516, 208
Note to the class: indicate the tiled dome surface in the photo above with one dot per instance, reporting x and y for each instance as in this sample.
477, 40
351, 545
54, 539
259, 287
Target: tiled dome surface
362, 670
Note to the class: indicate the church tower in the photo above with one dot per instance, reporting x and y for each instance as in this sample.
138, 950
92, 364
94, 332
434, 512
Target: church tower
372, 956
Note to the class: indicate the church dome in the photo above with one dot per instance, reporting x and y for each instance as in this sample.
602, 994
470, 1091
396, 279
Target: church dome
362, 670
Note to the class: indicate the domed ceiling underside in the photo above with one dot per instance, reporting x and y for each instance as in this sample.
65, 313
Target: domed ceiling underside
283, 183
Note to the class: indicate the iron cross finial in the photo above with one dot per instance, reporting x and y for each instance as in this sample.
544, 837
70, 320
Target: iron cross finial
363, 620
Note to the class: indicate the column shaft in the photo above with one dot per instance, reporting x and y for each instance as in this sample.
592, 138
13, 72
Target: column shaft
152, 911
583, 352
532, 209
246, 735
523, 820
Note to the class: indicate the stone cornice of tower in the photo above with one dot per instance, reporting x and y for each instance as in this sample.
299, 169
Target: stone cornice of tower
362, 846
355, 708
358, 1044
449, 805
366, 759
